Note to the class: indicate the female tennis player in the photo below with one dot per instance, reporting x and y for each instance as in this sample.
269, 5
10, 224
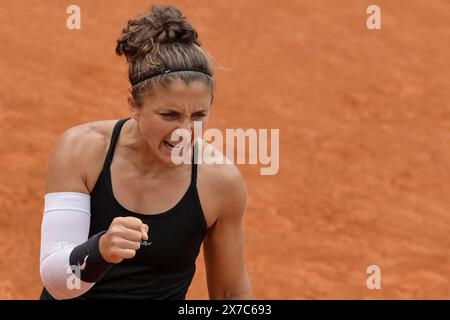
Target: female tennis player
121, 220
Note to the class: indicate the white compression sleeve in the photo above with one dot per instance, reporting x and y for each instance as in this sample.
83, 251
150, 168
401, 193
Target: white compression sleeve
65, 225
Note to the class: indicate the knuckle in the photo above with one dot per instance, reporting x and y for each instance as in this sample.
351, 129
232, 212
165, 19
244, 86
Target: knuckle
113, 252
135, 221
134, 235
114, 229
114, 241
117, 219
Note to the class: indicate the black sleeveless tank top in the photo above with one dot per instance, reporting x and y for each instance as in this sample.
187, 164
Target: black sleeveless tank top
164, 266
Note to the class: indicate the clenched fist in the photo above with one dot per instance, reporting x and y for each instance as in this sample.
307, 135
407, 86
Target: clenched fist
122, 239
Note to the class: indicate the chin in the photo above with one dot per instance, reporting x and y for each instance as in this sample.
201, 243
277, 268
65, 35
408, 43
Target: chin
165, 155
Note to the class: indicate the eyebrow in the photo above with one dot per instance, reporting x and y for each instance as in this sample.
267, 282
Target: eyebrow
172, 110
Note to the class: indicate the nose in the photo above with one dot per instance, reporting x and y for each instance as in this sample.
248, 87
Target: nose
187, 125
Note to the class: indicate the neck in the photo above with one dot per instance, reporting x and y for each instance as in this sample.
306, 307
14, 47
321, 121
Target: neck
139, 152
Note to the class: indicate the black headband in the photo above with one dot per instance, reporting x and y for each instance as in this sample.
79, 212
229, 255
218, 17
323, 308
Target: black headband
145, 76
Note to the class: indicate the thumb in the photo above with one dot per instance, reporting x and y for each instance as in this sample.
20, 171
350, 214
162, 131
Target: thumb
144, 231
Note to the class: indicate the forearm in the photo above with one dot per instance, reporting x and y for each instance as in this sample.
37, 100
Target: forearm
246, 295
243, 291
70, 263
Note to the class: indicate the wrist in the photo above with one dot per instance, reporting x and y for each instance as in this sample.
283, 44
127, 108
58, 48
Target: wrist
102, 248
87, 257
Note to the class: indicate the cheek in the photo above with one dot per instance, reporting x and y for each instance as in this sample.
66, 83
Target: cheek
156, 130
203, 122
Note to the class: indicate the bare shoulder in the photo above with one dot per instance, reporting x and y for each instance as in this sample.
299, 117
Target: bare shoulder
223, 187
78, 152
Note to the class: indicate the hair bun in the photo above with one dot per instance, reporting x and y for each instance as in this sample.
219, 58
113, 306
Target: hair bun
165, 24
172, 26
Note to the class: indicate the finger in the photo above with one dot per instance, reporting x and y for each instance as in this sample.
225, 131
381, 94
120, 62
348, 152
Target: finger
126, 253
132, 223
127, 244
144, 231
131, 234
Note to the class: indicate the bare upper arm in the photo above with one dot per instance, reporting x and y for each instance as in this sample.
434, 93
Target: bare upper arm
224, 243
72, 158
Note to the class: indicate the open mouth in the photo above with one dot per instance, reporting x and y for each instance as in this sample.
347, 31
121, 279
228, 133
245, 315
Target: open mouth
168, 145
172, 146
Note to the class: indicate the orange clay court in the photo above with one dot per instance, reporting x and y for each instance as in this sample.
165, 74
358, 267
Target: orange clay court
364, 119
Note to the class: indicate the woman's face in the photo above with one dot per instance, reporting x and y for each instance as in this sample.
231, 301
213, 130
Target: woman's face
168, 109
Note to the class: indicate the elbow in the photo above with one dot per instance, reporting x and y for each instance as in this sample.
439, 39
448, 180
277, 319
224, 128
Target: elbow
58, 278
241, 295
55, 282
52, 285
49, 285
244, 292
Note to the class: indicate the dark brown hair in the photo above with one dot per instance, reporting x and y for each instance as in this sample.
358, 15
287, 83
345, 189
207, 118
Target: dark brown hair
163, 40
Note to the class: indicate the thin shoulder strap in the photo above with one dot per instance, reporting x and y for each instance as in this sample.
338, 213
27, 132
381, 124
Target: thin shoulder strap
194, 164
114, 137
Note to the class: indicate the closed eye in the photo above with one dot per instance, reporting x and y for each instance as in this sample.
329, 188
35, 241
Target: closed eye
199, 115
170, 114
174, 115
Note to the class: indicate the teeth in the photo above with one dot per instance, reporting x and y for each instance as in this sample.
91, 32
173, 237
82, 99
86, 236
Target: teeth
177, 146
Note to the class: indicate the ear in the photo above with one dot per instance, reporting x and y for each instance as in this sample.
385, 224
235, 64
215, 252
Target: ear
134, 110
